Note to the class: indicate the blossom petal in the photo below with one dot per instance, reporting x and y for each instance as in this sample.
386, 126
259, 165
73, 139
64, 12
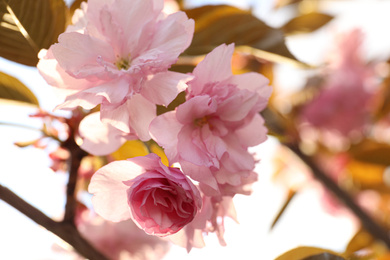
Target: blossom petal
55, 76
203, 175
118, 117
78, 54
238, 107
164, 129
114, 91
173, 36
163, 87
84, 100
142, 112
99, 138
215, 67
254, 133
195, 108
109, 190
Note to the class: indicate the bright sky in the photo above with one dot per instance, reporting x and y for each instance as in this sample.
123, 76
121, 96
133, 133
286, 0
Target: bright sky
26, 172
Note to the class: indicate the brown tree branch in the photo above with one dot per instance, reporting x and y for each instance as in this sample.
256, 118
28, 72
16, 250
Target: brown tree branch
76, 155
67, 231
368, 223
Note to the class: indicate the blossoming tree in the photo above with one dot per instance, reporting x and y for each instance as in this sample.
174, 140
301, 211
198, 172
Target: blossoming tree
161, 120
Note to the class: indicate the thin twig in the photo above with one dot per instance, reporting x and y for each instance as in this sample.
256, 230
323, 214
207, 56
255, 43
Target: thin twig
369, 224
66, 231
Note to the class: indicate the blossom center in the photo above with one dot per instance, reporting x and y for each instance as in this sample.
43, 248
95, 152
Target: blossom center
123, 63
201, 121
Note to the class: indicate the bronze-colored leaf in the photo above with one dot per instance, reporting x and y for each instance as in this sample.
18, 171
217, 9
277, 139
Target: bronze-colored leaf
180, 99
324, 256
12, 89
362, 239
304, 252
75, 5
382, 101
306, 23
27, 26
366, 175
180, 3
370, 151
281, 3
218, 24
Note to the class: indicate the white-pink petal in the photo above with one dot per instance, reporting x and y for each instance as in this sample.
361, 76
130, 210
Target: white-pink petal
110, 192
142, 112
163, 87
99, 138
215, 67
164, 129
78, 54
118, 117
253, 133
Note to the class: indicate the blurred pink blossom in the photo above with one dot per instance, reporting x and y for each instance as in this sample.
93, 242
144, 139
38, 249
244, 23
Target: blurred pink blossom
161, 200
117, 54
343, 105
120, 241
209, 134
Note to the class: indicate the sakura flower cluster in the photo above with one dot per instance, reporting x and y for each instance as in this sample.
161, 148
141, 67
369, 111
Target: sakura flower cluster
117, 54
347, 93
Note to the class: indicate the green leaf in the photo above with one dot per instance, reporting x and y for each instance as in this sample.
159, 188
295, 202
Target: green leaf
27, 26
306, 23
218, 24
12, 89
304, 252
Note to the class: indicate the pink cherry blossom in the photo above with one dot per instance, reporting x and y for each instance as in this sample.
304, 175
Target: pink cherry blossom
220, 119
117, 54
100, 138
161, 200
343, 105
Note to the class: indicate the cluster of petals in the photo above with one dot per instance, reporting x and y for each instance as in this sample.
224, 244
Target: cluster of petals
342, 107
117, 54
210, 133
161, 200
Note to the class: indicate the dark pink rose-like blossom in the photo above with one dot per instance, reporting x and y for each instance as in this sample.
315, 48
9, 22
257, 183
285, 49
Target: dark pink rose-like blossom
210, 133
159, 199
117, 54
